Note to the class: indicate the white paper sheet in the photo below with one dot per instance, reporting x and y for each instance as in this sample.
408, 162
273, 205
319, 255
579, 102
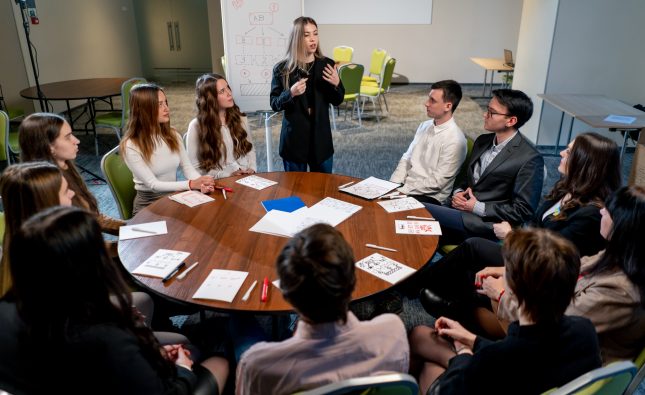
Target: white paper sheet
142, 230
191, 198
385, 268
221, 285
429, 228
161, 263
280, 223
404, 204
332, 211
256, 182
371, 188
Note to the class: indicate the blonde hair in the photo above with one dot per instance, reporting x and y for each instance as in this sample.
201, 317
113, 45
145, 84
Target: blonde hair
297, 48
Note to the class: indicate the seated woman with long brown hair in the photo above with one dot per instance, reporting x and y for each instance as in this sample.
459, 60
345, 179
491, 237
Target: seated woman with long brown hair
48, 137
611, 288
153, 150
217, 140
26, 189
590, 172
68, 323
544, 348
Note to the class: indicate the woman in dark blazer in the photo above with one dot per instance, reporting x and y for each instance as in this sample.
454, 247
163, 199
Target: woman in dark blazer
590, 168
304, 84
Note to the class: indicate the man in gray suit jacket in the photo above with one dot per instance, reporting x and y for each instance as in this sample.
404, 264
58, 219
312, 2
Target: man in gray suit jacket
505, 174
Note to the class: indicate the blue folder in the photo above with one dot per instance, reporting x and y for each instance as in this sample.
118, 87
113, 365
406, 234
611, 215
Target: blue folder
288, 204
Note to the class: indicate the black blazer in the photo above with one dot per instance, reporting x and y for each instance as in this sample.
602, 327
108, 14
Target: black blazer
296, 124
581, 226
510, 186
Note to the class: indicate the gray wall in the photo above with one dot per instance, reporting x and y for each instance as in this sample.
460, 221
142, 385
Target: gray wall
81, 39
597, 49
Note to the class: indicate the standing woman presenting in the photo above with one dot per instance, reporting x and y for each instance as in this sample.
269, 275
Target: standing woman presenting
303, 85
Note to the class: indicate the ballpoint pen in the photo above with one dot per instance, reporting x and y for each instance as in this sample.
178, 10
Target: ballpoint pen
183, 275
248, 293
265, 290
171, 274
380, 248
144, 231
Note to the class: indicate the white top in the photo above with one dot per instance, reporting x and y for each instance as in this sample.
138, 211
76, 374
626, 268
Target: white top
433, 160
160, 175
229, 164
324, 353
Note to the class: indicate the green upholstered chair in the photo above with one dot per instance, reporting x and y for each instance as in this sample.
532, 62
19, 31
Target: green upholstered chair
343, 54
350, 74
640, 375
377, 62
609, 380
2, 226
463, 173
116, 120
387, 384
4, 131
374, 93
120, 181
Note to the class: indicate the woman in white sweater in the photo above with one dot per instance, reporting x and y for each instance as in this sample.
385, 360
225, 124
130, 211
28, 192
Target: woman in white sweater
153, 151
217, 140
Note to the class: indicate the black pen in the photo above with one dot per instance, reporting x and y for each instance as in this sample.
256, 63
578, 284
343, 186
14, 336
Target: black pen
171, 274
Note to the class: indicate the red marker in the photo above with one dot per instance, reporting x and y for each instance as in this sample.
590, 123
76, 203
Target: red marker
227, 189
265, 290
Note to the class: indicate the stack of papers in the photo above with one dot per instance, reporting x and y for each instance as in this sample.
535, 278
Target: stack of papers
221, 285
142, 230
385, 268
161, 263
418, 227
191, 198
404, 204
328, 211
370, 188
256, 182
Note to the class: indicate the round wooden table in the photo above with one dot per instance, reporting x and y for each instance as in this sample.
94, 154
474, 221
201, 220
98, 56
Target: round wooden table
217, 235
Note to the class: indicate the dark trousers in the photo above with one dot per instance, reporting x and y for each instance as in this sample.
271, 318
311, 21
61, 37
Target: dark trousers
324, 167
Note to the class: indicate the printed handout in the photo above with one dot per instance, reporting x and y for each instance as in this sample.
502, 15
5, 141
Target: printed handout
404, 204
385, 268
256, 182
161, 263
370, 188
191, 198
221, 285
429, 228
142, 230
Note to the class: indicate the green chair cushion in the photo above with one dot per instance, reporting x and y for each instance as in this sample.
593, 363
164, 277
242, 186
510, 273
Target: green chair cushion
14, 145
109, 119
370, 90
367, 78
15, 112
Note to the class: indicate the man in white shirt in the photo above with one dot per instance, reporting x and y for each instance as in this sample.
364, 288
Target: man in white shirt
429, 167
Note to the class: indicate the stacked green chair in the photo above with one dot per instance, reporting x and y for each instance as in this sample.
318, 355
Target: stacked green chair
350, 74
377, 62
374, 93
386, 384
343, 54
120, 181
116, 120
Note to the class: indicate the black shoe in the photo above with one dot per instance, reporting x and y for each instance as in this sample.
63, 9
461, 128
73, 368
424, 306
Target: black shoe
435, 305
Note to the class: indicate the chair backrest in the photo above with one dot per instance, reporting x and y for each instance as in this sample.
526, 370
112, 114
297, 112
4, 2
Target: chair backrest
608, 380
394, 384
125, 97
377, 60
4, 135
350, 74
388, 72
343, 54
120, 181
463, 172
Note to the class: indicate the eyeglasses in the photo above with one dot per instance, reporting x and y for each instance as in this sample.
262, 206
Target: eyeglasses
490, 113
